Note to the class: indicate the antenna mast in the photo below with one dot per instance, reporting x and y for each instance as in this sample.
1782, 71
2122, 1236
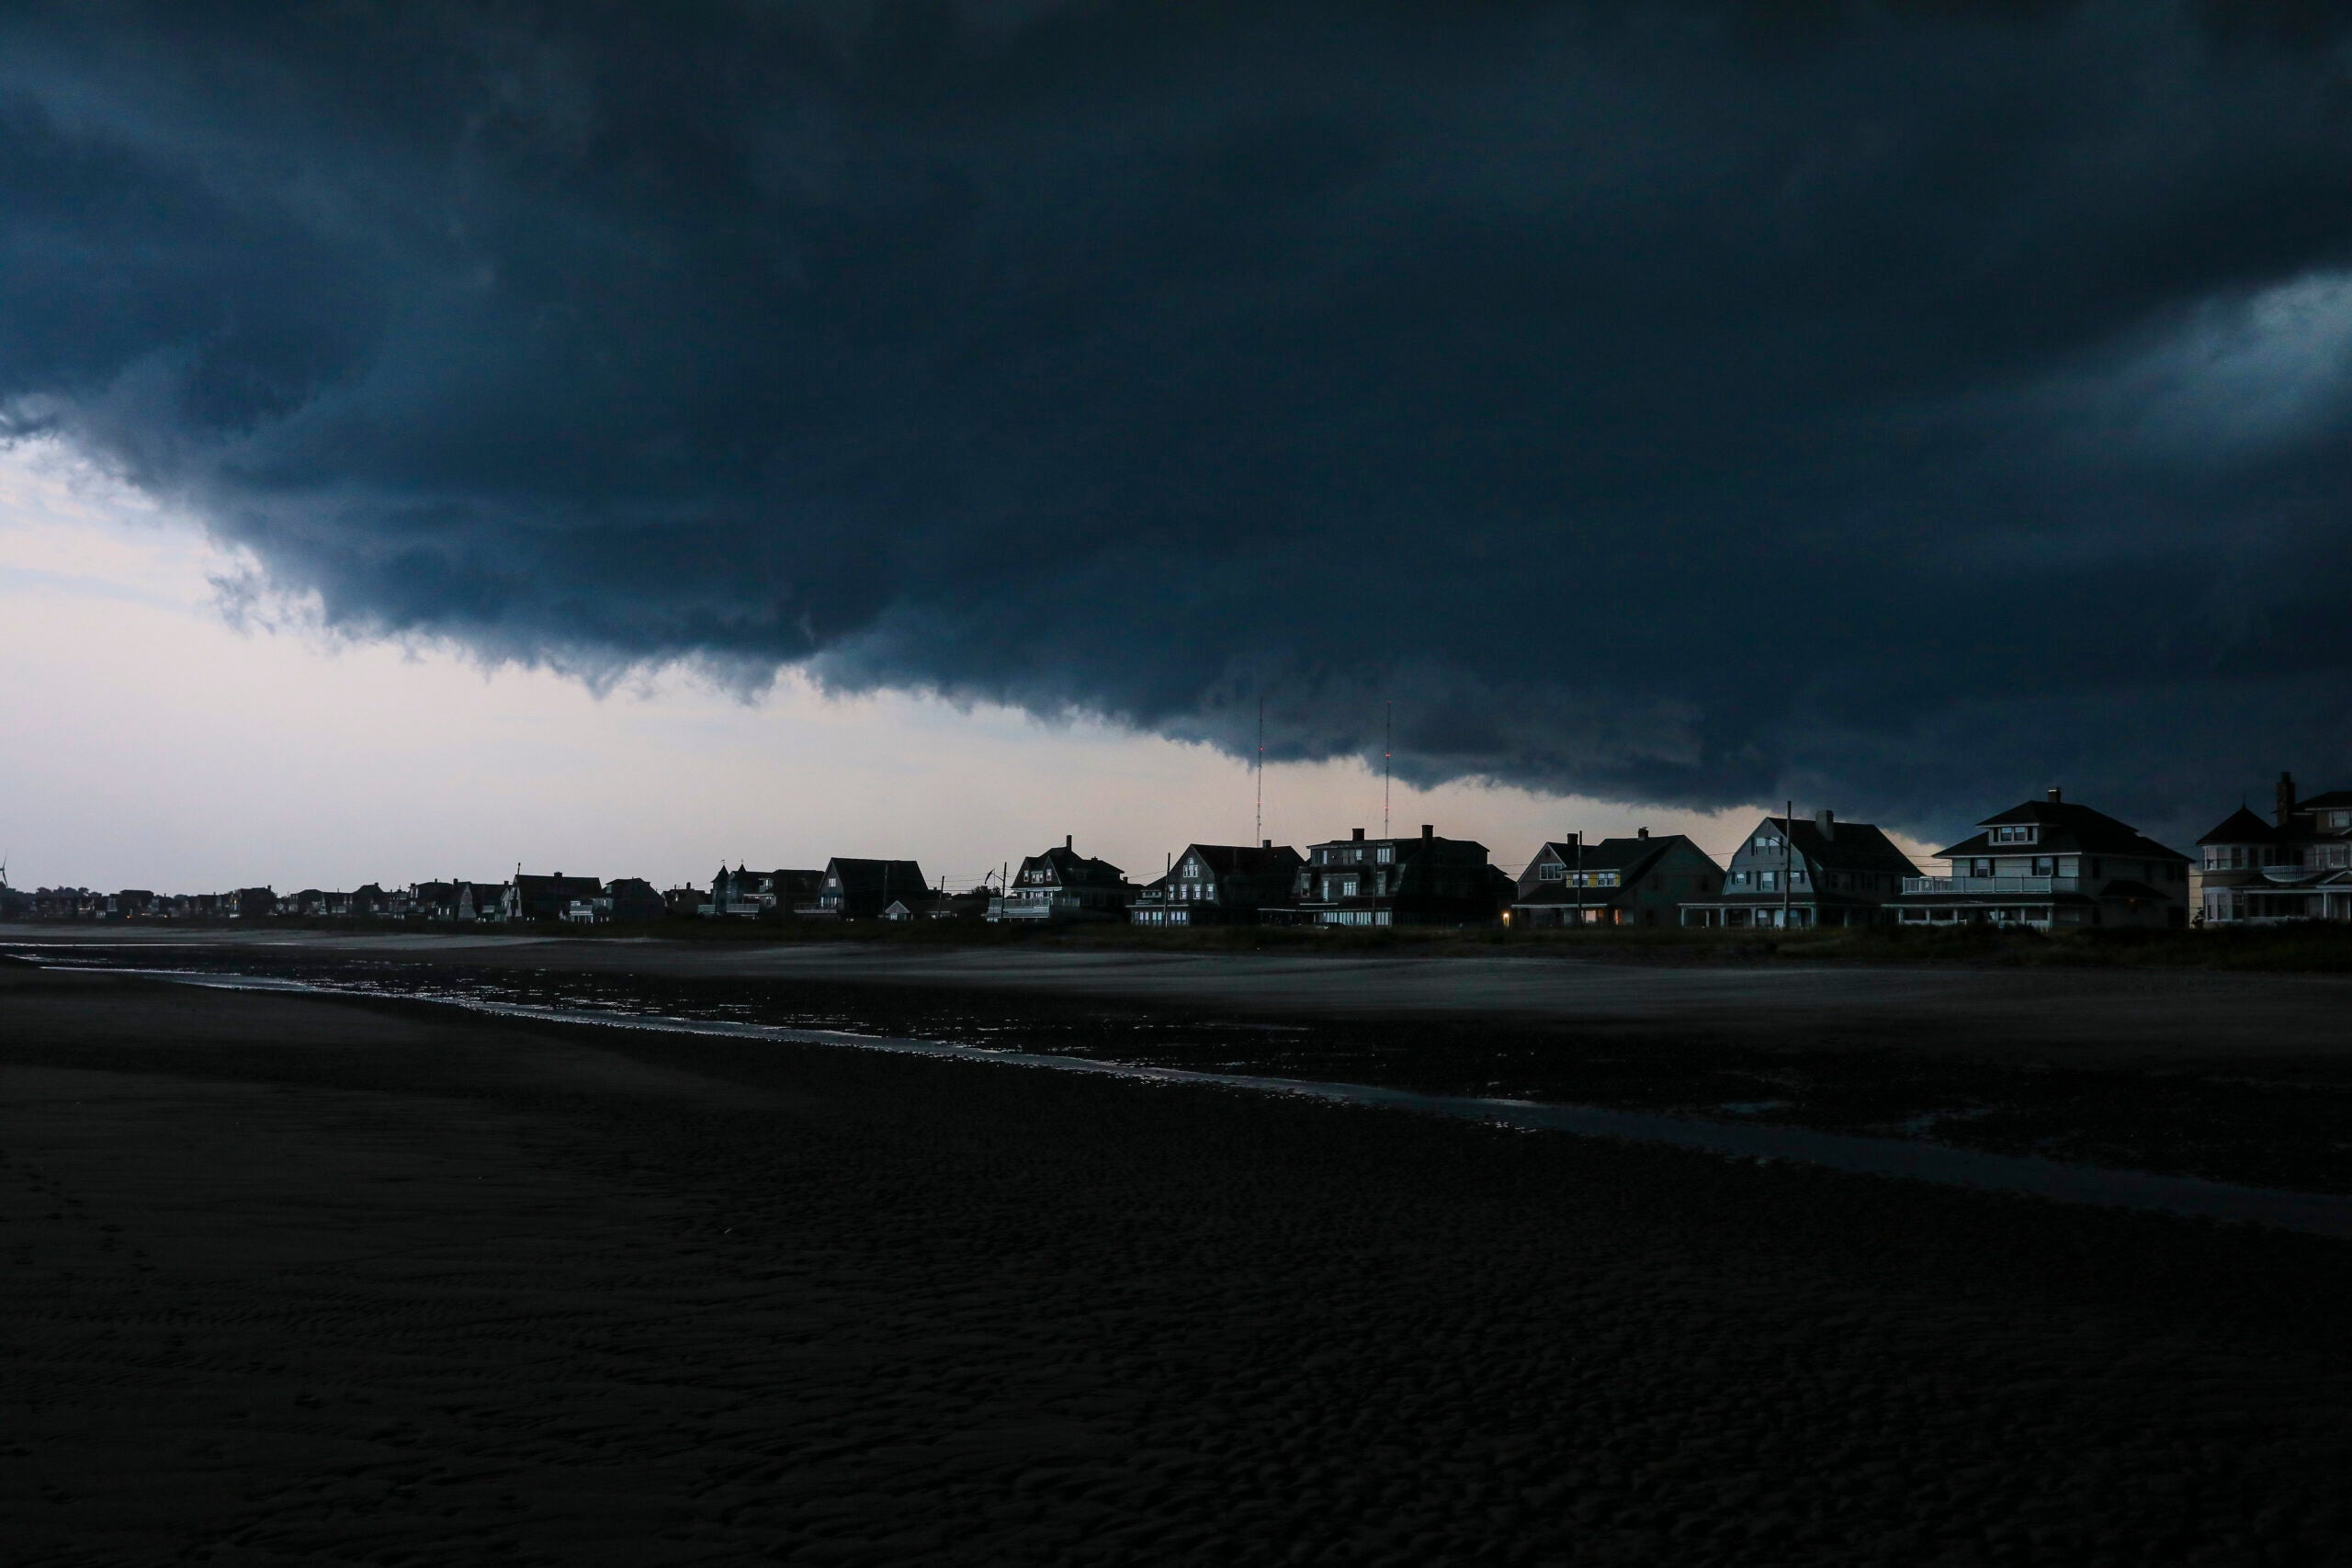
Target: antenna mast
1259, 837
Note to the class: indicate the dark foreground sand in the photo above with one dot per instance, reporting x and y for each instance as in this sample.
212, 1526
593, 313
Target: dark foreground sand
301, 1281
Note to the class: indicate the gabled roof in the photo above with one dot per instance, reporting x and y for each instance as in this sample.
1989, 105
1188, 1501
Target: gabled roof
1848, 846
1407, 845
2066, 829
1244, 860
875, 877
2335, 800
532, 886
1073, 870
2242, 826
1628, 857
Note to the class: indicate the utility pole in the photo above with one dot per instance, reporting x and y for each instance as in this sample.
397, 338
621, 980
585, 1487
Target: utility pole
1258, 835
1579, 881
1788, 861
1387, 750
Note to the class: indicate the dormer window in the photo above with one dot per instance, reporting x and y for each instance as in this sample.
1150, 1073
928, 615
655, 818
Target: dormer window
2017, 833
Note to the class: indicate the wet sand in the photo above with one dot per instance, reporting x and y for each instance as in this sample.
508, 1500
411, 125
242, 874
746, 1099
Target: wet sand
2238, 1079
298, 1280
2079, 1016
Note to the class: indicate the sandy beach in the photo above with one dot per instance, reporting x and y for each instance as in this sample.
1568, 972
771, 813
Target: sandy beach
2237, 1078
2132, 1016
302, 1280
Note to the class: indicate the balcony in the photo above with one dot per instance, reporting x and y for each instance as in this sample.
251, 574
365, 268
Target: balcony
2013, 887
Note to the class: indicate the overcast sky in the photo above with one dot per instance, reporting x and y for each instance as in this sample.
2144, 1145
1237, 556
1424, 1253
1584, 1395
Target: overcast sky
1902, 406
173, 732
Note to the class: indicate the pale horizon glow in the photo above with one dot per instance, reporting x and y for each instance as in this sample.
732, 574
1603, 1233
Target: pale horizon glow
165, 733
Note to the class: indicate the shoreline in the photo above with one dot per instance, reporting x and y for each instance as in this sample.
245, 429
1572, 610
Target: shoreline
2311, 1213
2241, 1081
2290, 948
305, 1278
2160, 1013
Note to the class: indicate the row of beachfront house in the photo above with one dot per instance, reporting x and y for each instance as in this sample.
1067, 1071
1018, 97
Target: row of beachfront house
2047, 863
583, 900
845, 889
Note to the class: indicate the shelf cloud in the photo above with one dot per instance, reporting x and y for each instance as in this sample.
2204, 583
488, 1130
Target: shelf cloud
1904, 406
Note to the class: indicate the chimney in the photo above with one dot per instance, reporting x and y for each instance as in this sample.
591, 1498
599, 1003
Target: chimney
1066, 838
1827, 822
2286, 797
2056, 797
1265, 843
1568, 841
1428, 831
1641, 832
1359, 835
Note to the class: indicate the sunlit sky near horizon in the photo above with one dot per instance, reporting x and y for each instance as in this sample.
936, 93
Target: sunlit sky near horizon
167, 733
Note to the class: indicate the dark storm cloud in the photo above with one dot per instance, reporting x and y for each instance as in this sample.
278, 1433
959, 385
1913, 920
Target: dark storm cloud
1905, 405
